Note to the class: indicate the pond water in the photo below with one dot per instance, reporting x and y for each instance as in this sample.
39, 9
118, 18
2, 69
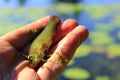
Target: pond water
43, 3
98, 58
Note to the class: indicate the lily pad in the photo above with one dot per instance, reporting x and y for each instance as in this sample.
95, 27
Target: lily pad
9, 27
76, 73
62, 8
118, 34
71, 62
102, 78
82, 51
114, 49
117, 18
103, 27
97, 11
5, 11
101, 38
98, 48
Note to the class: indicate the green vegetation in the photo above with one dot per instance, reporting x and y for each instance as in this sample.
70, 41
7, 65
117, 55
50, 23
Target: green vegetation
82, 51
97, 11
114, 49
102, 78
101, 38
71, 62
104, 27
6, 29
76, 74
118, 35
5, 12
116, 22
63, 9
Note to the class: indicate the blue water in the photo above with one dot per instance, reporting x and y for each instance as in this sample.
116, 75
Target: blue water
100, 1
28, 3
43, 3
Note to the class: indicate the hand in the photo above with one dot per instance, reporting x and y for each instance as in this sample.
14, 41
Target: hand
13, 66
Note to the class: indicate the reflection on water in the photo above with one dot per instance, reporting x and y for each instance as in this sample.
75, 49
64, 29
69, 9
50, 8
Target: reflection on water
98, 58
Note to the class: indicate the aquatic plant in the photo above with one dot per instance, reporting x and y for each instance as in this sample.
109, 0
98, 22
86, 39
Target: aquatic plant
114, 49
102, 78
101, 38
82, 51
76, 74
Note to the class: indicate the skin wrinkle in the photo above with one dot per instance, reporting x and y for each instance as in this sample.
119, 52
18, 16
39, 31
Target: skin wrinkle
50, 63
36, 77
48, 70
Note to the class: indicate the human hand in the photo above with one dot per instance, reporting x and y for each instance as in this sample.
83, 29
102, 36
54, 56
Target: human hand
13, 66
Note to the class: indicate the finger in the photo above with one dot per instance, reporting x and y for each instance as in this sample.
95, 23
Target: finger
19, 38
27, 74
63, 54
23, 72
64, 28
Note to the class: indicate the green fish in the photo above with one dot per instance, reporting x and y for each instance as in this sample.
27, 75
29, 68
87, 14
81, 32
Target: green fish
40, 46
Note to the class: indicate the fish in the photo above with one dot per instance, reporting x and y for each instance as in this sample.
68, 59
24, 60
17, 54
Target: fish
40, 46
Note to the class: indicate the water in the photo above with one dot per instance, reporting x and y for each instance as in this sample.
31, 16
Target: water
43, 3
101, 1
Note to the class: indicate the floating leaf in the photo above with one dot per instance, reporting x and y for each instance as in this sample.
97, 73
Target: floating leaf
98, 48
118, 34
82, 50
71, 62
97, 11
103, 27
76, 73
62, 8
101, 38
102, 78
114, 49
